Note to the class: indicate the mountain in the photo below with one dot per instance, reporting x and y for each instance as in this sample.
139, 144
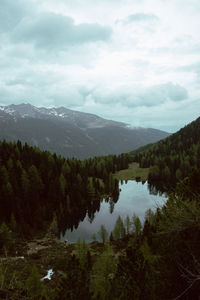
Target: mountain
173, 158
71, 133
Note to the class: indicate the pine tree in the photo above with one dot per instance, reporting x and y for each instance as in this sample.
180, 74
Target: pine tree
34, 285
5, 237
119, 229
81, 252
137, 226
103, 234
127, 224
102, 274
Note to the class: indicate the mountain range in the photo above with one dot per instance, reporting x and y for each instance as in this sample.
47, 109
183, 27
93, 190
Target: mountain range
72, 133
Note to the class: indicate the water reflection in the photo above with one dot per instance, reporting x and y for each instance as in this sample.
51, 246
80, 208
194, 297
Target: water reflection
157, 189
135, 197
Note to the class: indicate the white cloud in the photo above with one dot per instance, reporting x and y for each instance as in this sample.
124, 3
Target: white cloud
11, 12
142, 69
141, 17
133, 97
51, 30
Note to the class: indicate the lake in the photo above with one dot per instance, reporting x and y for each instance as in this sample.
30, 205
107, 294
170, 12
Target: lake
134, 198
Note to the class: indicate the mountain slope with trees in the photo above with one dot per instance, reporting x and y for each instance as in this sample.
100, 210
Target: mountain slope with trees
71, 133
35, 185
173, 158
157, 259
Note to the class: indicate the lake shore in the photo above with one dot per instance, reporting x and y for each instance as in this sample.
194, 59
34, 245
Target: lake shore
134, 172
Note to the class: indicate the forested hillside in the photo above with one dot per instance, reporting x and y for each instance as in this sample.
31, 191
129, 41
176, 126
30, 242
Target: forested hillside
173, 158
162, 260
155, 260
36, 185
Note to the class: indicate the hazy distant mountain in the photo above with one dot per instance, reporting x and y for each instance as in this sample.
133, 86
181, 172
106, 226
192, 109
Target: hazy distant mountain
71, 133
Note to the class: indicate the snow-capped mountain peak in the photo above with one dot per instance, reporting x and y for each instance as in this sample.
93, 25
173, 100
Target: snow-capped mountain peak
75, 118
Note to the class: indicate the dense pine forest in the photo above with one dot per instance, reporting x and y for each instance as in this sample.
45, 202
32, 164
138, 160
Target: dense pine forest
173, 158
35, 185
41, 192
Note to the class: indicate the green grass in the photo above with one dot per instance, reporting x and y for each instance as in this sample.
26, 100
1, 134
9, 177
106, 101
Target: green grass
133, 172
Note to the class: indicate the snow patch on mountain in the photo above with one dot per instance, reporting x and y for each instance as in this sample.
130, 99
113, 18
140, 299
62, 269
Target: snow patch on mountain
75, 118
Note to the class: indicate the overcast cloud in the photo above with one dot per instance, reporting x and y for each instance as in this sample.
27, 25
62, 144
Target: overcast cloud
127, 60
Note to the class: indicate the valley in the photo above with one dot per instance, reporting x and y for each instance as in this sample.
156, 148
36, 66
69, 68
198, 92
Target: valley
71, 133
146, 241
99, 150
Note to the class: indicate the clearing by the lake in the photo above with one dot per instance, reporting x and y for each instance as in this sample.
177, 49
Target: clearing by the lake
133, 172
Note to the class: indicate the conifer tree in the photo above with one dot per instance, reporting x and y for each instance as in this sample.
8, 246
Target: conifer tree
119, 229
103, 234
102, 274
34, 285
81, 252
127, 224
137, 226
5, 237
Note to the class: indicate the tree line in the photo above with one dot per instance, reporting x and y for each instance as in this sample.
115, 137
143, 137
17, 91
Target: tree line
173, 158
36, 186
156, 259
159, 259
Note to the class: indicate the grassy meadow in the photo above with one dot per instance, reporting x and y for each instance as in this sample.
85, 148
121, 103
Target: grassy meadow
132, 173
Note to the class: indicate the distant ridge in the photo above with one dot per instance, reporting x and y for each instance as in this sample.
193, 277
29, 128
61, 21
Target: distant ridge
71, 133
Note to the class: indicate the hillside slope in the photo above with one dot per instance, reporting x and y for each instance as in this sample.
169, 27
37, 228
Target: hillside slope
71, 133
173, 158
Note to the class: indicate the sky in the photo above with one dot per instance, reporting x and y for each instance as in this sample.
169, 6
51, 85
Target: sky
134, 61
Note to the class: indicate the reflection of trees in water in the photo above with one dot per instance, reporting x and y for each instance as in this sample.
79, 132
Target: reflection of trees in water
157, 188
70, 219
111, 205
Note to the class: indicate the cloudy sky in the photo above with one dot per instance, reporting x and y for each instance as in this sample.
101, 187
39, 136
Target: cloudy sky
136, 61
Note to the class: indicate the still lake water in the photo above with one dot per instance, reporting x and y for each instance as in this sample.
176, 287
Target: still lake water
134, 198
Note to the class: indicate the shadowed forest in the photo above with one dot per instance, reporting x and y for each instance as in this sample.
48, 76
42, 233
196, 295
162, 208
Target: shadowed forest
42, 195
